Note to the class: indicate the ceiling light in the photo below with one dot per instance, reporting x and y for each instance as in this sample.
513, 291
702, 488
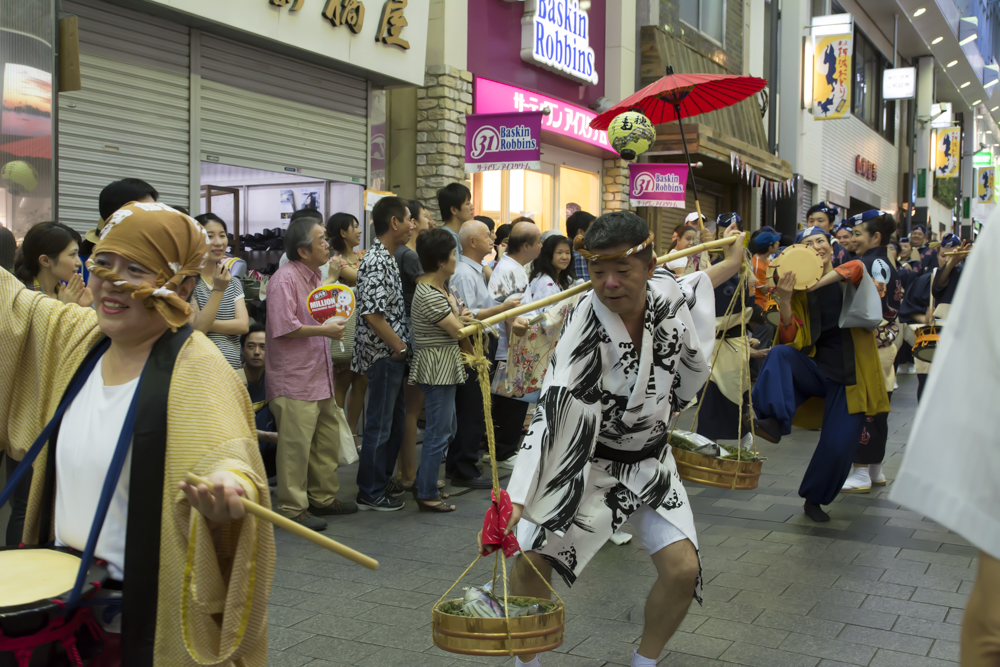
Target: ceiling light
968, 39
939, 39
979, 117
952, 63
967, 83
976, 103
989, 131
994, 109
991, 83
919, 12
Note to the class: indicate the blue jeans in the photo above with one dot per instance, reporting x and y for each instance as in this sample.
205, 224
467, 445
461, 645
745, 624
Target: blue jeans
384, 421
442, 424
786, 380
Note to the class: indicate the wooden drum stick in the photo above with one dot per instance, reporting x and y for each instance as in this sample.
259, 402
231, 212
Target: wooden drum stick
281, 522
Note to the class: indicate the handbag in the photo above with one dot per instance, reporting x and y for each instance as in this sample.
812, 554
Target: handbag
348, 452
862, 304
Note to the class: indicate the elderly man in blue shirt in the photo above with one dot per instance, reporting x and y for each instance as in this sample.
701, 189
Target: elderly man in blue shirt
469, 285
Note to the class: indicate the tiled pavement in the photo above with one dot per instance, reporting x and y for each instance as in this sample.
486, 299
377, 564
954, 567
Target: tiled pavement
877, 586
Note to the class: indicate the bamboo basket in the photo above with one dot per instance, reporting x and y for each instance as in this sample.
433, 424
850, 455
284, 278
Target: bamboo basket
488, 636
720, 473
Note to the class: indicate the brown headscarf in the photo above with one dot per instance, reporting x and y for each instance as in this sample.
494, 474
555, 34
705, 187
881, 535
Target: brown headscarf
164, 241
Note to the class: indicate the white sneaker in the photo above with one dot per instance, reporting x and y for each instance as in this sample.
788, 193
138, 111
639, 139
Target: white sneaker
859, 481
620, 537
507, 463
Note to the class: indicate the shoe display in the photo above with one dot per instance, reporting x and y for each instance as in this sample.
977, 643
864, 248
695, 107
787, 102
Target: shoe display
311, 522
335, 508
383, 504
858, 481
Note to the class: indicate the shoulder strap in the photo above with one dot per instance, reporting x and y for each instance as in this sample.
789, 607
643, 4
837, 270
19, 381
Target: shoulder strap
145, 503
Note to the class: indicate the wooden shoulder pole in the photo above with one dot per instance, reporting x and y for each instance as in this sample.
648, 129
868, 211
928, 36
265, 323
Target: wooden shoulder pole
565, 294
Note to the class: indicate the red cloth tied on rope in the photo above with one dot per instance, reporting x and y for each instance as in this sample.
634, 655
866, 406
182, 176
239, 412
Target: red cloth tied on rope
495, 523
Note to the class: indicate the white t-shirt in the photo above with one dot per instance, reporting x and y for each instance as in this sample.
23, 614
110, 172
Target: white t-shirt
87, 440
509, 279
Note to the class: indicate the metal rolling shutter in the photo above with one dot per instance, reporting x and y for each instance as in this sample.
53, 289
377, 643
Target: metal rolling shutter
267, 111
805, 201
132, 117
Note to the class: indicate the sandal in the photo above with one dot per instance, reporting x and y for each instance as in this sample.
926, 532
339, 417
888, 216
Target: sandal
441, 494
425, 506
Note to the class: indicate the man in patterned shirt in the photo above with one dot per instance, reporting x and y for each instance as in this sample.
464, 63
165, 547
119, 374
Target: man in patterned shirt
576, 225
380, 353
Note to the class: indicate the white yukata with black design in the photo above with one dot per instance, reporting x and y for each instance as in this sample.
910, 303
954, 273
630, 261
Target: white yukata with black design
599, 393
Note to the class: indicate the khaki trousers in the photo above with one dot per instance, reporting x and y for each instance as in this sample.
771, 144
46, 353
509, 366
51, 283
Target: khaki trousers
308, 453
981, 624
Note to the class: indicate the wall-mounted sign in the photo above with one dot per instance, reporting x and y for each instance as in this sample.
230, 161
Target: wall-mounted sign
657, 184
503, 141
941, 115
555, 34
899, 83
985, 185
865, 168
948, 148
565, 119
982, 159
832, 77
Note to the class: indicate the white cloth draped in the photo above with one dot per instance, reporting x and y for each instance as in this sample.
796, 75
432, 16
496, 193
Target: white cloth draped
951, 468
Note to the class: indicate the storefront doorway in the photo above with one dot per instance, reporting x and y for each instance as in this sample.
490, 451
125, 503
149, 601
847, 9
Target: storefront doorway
566, 182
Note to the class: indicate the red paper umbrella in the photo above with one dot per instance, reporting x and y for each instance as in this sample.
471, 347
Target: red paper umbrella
678, 96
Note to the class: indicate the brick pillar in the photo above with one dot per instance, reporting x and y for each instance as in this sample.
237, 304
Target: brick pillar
614, 177
442, 104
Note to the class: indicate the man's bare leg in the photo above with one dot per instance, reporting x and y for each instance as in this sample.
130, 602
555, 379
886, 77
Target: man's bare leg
524, 582
668, 602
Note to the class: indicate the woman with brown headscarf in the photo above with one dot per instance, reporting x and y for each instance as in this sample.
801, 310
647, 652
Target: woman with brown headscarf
198, 581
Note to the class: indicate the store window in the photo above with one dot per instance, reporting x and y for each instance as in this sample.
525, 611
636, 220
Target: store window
706, 16
545, 195
866, 92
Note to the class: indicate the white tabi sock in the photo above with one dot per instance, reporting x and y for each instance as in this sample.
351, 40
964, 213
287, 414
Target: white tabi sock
640, 661
875, 472
534, 662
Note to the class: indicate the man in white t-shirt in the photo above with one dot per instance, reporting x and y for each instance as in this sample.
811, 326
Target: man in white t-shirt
510, 280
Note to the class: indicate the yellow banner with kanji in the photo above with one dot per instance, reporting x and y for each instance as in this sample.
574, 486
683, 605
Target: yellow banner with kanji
832, 77
947, 151
985, 184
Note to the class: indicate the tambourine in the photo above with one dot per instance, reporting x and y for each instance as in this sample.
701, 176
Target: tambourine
803, 261
928, 337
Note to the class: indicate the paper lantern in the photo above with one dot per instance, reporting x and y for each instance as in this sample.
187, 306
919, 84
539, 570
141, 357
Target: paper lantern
631, 134
20, 174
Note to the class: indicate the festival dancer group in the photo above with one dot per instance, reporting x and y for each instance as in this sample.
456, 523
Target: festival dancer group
194, 570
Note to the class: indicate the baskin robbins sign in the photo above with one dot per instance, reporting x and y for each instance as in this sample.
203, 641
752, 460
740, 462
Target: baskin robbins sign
555, 35
502, 141
662, 185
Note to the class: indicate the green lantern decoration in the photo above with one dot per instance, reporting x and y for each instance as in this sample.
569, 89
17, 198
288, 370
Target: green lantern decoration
21, 175
631, 134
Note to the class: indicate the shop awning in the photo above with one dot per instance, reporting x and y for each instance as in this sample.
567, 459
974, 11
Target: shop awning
714, 149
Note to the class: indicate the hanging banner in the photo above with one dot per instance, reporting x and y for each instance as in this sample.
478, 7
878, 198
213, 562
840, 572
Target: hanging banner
948, 149
651, 184
832, 78
502, 141
985, 184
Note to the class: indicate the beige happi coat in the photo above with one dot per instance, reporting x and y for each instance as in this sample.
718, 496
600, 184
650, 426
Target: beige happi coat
212, 598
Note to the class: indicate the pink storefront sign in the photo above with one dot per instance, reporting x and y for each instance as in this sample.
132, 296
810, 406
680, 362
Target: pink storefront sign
564, 119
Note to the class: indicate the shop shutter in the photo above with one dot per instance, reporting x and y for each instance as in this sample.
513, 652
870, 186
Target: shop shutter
670, 218
267, 111
131, 118
805, 202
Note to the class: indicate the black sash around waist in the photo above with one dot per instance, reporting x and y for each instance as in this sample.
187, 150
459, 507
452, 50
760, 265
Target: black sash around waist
653, 451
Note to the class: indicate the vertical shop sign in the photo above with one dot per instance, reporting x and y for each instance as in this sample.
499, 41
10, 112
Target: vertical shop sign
832, 78
985, 185
947, 150
503, 141
652, 184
